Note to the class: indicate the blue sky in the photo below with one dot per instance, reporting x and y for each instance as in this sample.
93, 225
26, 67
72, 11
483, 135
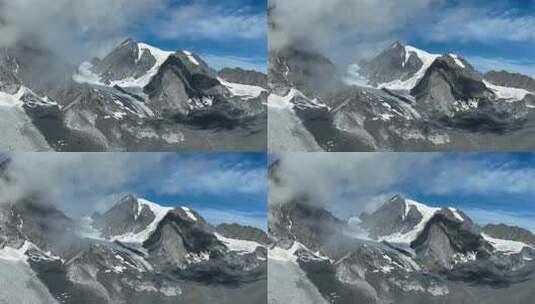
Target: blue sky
223, 187
489, 187
492, 34
224, 33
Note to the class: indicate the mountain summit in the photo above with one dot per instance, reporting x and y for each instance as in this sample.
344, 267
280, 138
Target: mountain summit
137, 97
136, 252
412, 253
402, 99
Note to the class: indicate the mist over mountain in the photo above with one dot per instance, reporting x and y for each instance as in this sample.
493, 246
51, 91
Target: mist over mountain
72, 80
134, 251
400, 228
136, 98
403, 99
400, 251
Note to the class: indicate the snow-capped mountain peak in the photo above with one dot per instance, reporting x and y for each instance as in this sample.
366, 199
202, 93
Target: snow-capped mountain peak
414, 217
131, 220
412, 78
130, 65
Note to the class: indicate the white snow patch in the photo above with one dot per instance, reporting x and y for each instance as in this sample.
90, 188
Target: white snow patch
189, 214
409, 236
505, 246
288, 255
426, 58
456, 214
285, 102
284, 255
457, 60
383, 117
241, 246
8, 100
86, 75
242, 90
140, 237
119, 269
509, 94
281, 102
15, 254
191, 58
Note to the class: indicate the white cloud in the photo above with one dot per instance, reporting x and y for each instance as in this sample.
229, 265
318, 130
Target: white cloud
349, 183
482, 25
200, 21
81, 183
68, 26
346, 181
479, 177
342, 28
77, 182
216, 178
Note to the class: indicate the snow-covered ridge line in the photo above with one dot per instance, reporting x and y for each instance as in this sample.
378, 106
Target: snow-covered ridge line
190, 214
242, 90
86, 75
191, 58
140, 237
457, 60
509, 94
456, 214
409, 236
240, 246
408, 84
505, 246
159, 55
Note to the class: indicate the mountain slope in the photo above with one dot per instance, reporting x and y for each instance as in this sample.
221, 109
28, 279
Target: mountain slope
136, 252
137, 97
413, 254
403, 99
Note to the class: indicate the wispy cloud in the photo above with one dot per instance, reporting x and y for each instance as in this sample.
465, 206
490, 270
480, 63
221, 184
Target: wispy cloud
348, 184
483, 25
80, 183
481, 177
216, 178
201, 21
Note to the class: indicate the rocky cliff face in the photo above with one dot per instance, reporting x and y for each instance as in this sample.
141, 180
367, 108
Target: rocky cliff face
138, 97
413, 253
136, 252
404, 99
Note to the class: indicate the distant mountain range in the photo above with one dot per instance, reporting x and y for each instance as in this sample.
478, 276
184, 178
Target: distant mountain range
403, 252
404, 99
136, 98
